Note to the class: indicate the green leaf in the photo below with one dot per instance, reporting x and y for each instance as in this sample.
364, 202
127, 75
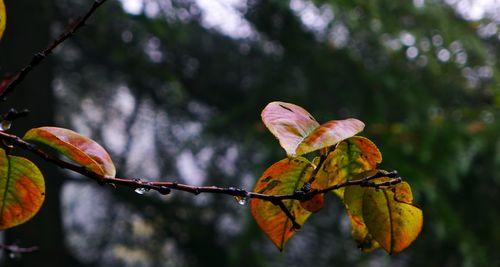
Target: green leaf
3, 18
76, 147
299, 133
283, 177
350, 158
22, 190
394, 224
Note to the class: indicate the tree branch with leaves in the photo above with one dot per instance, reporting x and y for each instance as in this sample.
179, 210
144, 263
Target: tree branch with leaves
320, 159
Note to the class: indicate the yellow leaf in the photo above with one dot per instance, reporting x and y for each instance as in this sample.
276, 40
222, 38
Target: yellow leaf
353, 200
3, 18
394, 224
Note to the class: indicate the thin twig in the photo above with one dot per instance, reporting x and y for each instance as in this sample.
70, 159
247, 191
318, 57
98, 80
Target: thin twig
16, 249
14, 114
166, 187
73, 27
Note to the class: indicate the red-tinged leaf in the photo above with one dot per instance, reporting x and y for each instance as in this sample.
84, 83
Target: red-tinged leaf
350, 158
76, 147
394, 224
314, 204
329, 134
299, 133
283, 177
289, 123
3, 18
22, 190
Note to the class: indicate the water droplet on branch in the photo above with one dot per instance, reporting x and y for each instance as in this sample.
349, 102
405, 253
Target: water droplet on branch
14, 255
5, 125
141, 190
241, 200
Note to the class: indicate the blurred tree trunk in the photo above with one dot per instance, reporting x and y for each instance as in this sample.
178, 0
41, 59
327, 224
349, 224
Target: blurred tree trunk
25, 35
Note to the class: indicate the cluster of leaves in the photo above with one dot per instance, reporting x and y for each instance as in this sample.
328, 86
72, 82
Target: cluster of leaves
380, 216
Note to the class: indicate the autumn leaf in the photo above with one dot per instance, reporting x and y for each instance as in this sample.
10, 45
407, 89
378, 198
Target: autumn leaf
76, 147
289, 123
350, 158
329, 134
391, 220
314, 204
22, 190
299, 133
283, 177
353, 200
3, 18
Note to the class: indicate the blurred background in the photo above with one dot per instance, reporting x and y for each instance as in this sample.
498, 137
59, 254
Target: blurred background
174, 89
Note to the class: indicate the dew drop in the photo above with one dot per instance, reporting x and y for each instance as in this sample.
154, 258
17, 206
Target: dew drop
241, 200
14, 255
141, 190
5, 125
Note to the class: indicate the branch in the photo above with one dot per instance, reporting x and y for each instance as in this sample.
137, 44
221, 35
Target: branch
14, 114
165, 188
13, 81
15, 249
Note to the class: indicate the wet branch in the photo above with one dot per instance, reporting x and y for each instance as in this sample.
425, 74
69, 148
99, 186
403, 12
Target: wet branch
74, 26
165, 188
16, 249
8, 85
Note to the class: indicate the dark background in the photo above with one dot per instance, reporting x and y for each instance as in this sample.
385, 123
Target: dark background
174, 89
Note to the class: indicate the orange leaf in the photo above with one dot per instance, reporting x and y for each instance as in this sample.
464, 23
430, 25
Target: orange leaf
299, 133
76, 147
22, 190
402, 193
283, 177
